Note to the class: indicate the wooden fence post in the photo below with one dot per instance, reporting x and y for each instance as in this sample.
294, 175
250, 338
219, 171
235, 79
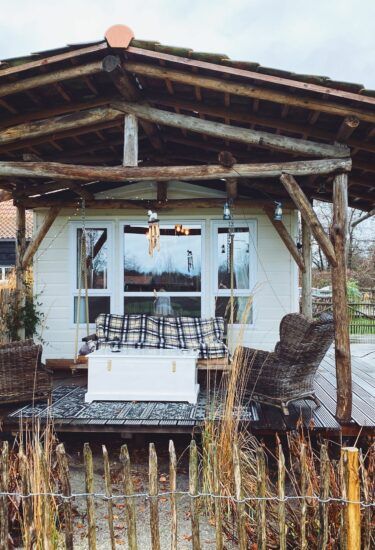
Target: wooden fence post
281, 495
63, 467
193, 490
324, 495
47, 503
261, 493
108, 492
241, 514
27, 508
129, 502
4, 483
153, 492
304, 482
89, 482
172, 488
352, 509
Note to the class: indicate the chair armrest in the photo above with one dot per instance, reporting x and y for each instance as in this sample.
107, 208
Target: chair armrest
90, 338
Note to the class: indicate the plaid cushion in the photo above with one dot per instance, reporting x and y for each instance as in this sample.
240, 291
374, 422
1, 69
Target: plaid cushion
146, 331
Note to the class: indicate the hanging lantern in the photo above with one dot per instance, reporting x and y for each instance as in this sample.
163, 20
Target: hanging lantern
227, 215
278, 214
153, 234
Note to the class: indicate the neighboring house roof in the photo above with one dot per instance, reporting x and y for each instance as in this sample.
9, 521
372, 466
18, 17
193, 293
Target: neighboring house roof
8, 221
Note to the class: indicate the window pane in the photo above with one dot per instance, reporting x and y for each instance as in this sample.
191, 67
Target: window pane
163, 305
97, 305
241, 258
242, 309
176, 267
96, 257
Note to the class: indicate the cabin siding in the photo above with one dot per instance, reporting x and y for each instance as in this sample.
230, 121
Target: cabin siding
276, 290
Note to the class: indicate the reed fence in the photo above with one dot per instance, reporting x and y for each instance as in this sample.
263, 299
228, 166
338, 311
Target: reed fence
283, 512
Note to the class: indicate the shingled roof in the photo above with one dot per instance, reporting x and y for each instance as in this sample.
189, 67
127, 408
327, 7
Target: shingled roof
313, 107
8, 221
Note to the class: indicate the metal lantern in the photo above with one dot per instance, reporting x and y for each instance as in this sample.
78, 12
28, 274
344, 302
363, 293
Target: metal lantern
278, 214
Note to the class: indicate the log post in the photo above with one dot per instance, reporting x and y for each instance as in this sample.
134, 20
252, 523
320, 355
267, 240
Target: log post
130, 141
306, 296
41, 233
231, 188
20, 251
286, 238
339, 299
352, 516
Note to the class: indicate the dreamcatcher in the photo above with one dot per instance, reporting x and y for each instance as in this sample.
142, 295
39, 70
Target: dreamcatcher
153, 233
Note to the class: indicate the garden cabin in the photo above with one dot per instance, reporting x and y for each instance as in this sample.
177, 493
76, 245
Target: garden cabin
225, 152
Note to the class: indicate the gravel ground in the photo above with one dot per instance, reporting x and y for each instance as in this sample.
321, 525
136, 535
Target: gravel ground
139, 459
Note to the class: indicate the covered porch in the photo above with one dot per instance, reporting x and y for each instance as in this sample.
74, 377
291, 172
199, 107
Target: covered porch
93, 137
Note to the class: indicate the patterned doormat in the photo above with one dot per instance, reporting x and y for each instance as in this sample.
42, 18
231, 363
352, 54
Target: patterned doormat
69, 407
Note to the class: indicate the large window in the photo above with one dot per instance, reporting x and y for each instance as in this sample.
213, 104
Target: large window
92, 270
234, 269
170, 281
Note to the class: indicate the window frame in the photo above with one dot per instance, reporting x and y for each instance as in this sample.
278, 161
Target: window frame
92, 292
180, 294
217, 292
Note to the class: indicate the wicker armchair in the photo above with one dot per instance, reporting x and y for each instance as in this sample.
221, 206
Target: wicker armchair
287, 373
22, 375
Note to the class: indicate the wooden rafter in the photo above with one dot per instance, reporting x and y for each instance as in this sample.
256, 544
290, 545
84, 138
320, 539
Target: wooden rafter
49, 78
241, 89
232, 133
55, 170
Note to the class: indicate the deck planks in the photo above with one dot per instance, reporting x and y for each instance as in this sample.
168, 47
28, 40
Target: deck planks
71, 413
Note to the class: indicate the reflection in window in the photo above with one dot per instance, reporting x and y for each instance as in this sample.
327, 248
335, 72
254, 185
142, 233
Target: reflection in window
242, 309
96, 306
96, 257
164, 305
175, 268
241, 255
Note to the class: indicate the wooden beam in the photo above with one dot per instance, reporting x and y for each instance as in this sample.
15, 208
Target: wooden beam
31, 130
232, 133
50, 60
5, 195
112, 66
246, 90
130, 141
41, 233
307, 212
306, 294
248, 117
227, 69
347, 127
55, 170
339, 232
286, 238
171, 204
364, 217
49, 78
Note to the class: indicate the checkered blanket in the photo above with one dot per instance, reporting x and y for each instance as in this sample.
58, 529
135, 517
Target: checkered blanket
147, 331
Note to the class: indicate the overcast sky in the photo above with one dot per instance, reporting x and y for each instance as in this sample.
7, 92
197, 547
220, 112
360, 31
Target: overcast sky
327, 37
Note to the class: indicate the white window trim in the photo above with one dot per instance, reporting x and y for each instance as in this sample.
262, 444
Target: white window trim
253, 264
92, 292
204, 272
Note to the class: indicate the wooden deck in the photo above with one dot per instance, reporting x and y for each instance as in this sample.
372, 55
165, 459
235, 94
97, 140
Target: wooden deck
71, 414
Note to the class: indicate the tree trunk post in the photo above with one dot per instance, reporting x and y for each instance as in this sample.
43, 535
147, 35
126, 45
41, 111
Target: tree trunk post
20, 251
339, 299
130, 141
306, 297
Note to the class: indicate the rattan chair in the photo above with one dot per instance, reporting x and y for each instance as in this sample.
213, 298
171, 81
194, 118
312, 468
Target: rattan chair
287, 374
22, 375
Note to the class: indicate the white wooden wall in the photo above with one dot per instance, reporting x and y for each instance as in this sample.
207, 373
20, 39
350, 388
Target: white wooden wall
276, 290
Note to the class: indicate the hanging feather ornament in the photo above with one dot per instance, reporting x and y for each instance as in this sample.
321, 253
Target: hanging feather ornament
153, 233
